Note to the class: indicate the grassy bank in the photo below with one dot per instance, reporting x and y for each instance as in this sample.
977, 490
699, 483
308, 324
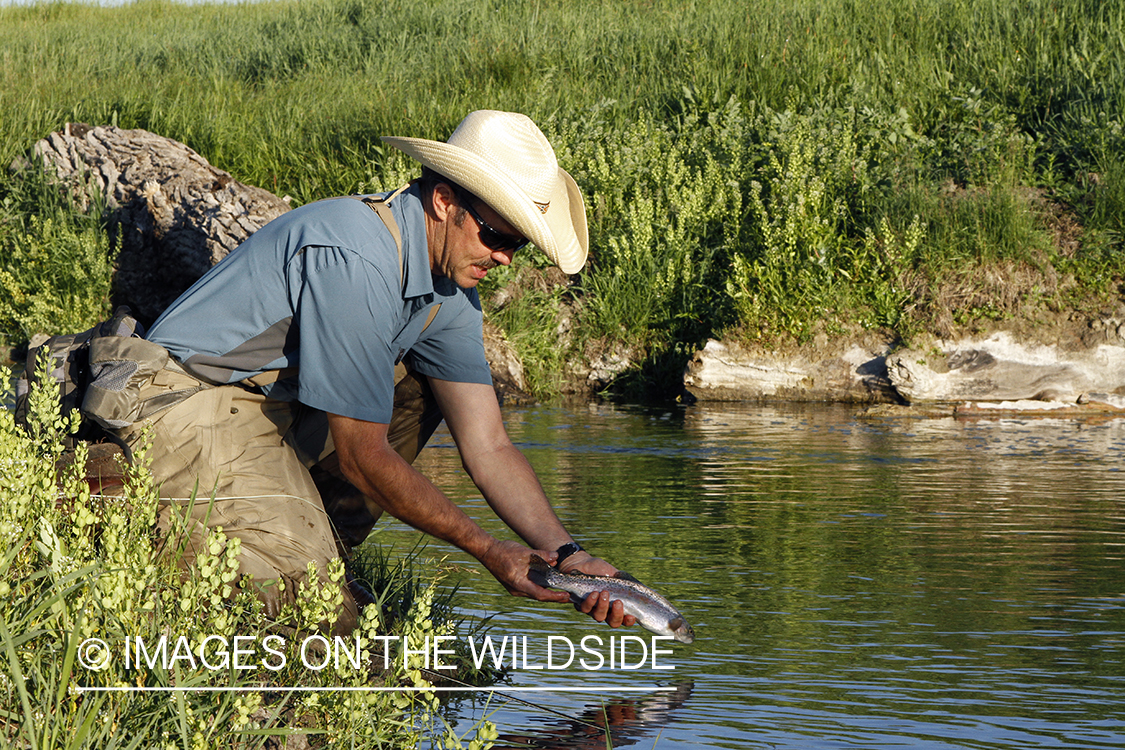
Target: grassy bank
770, 171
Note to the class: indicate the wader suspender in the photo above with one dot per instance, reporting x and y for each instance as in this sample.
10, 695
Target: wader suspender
382, 209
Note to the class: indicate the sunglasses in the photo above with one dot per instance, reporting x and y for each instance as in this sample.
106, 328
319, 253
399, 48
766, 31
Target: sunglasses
491, 237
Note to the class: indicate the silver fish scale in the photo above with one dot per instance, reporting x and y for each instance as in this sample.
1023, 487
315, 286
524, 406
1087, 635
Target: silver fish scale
653, 611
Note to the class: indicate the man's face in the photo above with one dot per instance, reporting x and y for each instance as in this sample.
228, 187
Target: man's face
463, 256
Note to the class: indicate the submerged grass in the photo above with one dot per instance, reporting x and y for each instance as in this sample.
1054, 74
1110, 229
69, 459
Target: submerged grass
774, 170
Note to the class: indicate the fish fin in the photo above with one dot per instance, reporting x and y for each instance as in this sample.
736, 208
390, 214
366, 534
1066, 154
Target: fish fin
675, 623
538, 564
621, 574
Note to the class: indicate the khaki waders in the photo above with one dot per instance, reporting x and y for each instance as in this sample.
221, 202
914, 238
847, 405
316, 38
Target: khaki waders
272, 470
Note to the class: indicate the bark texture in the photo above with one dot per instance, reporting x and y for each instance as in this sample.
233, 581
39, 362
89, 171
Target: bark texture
174, 214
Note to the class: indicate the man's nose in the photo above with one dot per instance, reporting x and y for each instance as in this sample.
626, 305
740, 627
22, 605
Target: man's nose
503, 257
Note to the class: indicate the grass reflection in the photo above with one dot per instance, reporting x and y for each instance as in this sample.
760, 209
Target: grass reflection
937, 584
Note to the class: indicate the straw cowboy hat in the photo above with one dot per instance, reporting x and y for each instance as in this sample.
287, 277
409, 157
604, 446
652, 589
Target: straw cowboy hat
506, 161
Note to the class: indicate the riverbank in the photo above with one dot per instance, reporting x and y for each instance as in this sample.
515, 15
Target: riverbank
1065, 358
814, 170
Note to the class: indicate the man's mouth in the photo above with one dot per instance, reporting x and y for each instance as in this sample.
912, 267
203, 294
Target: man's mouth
481, 269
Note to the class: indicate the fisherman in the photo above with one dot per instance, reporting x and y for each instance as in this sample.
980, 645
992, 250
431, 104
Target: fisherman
310, 367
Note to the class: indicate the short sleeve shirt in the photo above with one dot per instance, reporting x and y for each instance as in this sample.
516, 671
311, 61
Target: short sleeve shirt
321, 289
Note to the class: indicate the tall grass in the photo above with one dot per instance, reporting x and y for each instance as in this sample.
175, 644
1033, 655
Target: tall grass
679, 119
263, 88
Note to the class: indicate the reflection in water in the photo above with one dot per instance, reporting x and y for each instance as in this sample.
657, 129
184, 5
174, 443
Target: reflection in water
626, 719
899, 583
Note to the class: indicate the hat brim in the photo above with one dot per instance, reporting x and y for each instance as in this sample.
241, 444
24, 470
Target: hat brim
560, 231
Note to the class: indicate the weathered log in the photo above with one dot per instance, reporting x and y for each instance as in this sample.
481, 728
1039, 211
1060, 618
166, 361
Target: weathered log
725, 371
1001, 368
995, 373
174, 214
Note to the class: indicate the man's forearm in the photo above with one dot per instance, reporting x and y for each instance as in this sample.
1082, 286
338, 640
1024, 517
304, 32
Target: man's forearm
401, 491
378, 472
512, 489
510, 486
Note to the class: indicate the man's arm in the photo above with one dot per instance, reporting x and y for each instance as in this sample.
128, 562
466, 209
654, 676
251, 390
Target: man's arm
509, 484
376, 470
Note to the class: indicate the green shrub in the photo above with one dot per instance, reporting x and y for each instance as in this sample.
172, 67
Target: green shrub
665, 211
883, 261
54, 278
80, 566
785, 273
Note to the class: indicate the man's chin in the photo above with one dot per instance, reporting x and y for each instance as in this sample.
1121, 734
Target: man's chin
473, 275
466, 282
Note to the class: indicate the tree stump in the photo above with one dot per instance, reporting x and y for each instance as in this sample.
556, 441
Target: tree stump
173, 213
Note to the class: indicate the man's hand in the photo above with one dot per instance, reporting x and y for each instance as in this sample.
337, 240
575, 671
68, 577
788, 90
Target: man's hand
598, 605
511, 488
510, 562
583, 562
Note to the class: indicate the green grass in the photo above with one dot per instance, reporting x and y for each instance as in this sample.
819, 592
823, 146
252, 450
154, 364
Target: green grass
747, 168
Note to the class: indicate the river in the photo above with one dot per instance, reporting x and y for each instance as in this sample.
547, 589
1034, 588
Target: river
929, 583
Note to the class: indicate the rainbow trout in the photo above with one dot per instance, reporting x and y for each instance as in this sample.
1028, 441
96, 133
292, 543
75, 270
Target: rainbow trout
653, 611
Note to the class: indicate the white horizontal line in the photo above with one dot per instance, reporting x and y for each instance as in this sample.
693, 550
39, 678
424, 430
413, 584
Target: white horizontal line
279, 689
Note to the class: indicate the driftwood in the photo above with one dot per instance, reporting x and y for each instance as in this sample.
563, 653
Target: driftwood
174, 214
854, 372
1002, 368
983, 376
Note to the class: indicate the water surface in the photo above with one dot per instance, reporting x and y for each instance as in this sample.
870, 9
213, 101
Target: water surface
853, 584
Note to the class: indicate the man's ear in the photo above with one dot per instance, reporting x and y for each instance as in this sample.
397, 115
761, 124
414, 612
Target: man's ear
443, 202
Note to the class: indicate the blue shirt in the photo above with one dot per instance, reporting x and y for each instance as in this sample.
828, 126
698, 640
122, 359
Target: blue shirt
319, 289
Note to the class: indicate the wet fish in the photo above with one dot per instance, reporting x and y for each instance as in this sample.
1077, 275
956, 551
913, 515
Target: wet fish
652, 610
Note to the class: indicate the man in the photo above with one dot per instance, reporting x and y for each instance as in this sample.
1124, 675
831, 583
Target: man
310, 367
